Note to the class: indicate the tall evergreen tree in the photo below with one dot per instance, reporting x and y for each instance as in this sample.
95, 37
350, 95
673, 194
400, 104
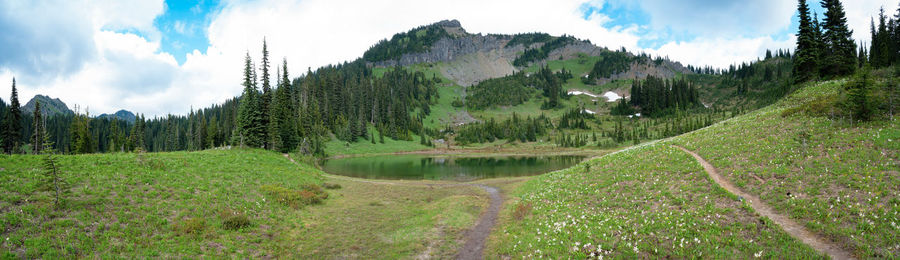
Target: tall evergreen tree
806, 59
266, 98
839, 57
37, 138
250, 124
882, 47
12, 135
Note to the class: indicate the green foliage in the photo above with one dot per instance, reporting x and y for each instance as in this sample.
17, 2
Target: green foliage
860, 99
191, 226
838, 57
527, 39
542, 53
295, 198
512, 129
807, 51
645, 202
251, 123
234, 220
415, 41
12, 130
506, 91
611, 62
656, 96
517, 89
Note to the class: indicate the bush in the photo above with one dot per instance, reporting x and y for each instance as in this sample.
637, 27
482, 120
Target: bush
191, 226
860, 100
331, 186
522, 210
306, 195
233, 220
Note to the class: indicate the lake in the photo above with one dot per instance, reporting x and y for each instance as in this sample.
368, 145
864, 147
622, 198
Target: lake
445, 167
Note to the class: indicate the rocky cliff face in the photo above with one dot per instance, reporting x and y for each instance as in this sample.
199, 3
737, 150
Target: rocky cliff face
49, 106
472, 58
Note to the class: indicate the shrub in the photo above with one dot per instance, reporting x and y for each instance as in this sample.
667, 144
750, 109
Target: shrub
306, 195
233, 220
331, 186
522, 210
191, 226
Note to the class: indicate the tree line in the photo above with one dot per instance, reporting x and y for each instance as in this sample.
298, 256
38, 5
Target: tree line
338, 101
657, 96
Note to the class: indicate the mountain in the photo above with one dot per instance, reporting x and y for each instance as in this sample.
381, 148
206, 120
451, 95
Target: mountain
471, 58
49, 106
120, 115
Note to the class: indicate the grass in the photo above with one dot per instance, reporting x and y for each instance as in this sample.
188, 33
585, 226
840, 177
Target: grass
159, 205
377, 221
654, 201
337, 147
659, 206
224, 204
840, 181
443, 113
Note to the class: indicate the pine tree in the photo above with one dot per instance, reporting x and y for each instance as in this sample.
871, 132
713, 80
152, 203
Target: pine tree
265, 105
839, 58
37, 138
805, 62
12, 135
249, 122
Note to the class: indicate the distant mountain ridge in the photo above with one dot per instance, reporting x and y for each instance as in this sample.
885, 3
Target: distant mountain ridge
123, 114
472, 58
49, 106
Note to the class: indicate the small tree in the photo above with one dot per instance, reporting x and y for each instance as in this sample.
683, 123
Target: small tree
859, 96
52, 176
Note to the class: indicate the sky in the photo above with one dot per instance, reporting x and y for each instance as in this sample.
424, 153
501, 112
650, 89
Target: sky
161, 57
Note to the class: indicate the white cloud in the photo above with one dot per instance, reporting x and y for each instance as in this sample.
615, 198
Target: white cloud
722, 52
860, 14
720, 18
63, 48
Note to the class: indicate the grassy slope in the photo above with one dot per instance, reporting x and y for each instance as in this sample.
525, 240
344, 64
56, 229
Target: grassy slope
843, 183
130, 206
369, 221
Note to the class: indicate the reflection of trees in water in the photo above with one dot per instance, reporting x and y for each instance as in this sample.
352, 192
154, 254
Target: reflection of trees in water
452, 168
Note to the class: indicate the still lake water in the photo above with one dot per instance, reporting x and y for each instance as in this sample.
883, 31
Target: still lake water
442, 167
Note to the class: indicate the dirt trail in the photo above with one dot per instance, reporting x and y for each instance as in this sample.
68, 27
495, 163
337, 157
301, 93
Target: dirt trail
476, 238
793, 228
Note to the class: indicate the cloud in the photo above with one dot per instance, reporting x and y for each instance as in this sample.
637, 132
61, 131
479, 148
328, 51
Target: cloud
723, 18
107, 54
33, 44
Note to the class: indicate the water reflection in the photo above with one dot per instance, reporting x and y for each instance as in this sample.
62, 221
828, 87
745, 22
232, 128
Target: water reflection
418, 167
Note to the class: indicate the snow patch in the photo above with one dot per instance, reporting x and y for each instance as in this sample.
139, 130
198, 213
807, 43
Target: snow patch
611, 96
576, 93
589, 112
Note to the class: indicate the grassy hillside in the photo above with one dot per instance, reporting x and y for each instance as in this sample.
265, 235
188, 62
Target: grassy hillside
840, 181
234, 203
149, 205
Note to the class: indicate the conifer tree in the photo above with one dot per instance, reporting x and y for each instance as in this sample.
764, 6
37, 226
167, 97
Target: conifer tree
12, 134
37, 138
250, 124
839, 57
805, 62
266, 98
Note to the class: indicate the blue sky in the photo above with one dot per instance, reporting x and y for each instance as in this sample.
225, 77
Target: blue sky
160, 57
184, 26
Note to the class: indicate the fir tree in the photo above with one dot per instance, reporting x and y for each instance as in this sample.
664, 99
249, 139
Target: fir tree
265, 102
37, 138
249, 115
839, 57
12, 135
805, 61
